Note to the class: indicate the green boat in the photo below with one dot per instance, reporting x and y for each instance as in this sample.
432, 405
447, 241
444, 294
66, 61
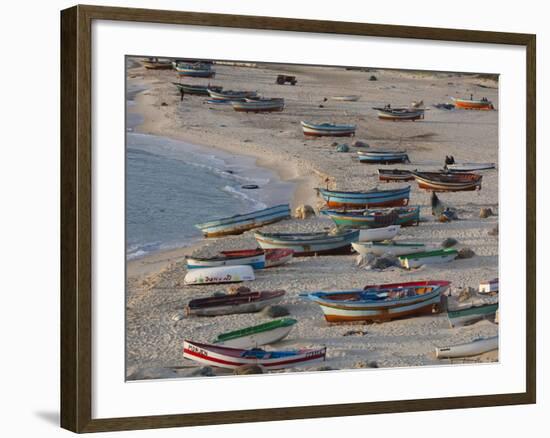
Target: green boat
469, 315
257, 335
418, 259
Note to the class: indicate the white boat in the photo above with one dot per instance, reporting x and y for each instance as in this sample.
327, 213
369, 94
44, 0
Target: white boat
258, 335
470, 167
393, 248
378, 234
221, 274
418, 259
479, 346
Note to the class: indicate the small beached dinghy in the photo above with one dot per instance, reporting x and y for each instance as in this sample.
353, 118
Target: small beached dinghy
466, 315
473, 104
379, 234
241, 302
256, 259
225, 357
259, 105
309, 244
273, 257
231, 94
400, 114
474, 348
221, 274
200, 90
195, 70
380, 302
242, 222
395, 175
327, 129
448, 182
374, 218
418, 259
367, 199
383, 157
258, 335
394, 248
469, 167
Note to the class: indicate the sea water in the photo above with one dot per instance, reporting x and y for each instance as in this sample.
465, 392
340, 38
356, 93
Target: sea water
172, 185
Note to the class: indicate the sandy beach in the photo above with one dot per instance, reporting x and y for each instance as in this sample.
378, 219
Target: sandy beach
156, 294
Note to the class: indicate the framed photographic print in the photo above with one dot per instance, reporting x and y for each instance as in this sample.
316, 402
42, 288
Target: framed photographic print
268, 219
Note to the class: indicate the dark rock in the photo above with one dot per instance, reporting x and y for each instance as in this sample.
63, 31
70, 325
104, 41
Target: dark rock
321, 106
326, 368
449, 242
163, 104
248, 369
334, 144
485, 213
361, 144
342, 148
355, 332
384, 262
372, 364
373, 78
465, 253
275, 311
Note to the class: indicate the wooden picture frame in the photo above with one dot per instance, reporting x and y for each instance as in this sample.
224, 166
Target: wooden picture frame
76, 218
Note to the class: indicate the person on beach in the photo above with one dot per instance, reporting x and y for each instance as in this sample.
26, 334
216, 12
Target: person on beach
182, 93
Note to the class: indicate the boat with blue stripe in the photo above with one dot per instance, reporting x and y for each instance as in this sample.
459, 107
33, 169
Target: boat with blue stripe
367, 199
256, 259
383, 157
374, 218
240, 223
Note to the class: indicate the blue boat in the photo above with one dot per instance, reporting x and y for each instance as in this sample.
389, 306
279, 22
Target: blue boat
374, 218
383, 157
195, 70
368, 199
240, 223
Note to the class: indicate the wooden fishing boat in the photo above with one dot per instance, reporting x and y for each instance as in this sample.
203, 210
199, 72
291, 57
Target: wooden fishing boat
443, 284
396, 175
220, 274
473, 104
379, 234
155, 64
394, 248
379, 303
195, 70
200, 90
241, 302
258, 335
488, 286
231, 94
309, 244
465, 315
351, 98
383, 157
255, 259
418, 259
273, 257
226, 357
367, 199
242, 222
374, 218
400, 114
445, 182
259, 105
327, 129
474, 348
469, 167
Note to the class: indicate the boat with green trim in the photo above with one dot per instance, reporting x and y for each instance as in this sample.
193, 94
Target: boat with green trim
257, 335
469, 315
394, 248
373, 218
418, 259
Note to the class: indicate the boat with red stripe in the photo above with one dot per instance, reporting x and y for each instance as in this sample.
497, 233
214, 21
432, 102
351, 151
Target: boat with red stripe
226, 357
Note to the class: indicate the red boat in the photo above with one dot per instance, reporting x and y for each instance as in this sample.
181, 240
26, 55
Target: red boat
473, 104
395, 175
273, 257
445, 182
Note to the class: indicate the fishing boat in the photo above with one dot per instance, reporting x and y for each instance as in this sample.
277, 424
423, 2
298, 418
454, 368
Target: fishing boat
241, 302
400, 114
374, 218
473, 104
418, 259
379, 234
367, 199
231, 94
201, 90
195, 70
469, 167
488, 286
394, 248
226, 357
383, 157
445, 182
351, 98
379, 303
255, 259
470, 314
474, 348
156, 64
242, 222
443, 284
257, 335
395, 175
259, 105
309, 244
273, 257
327, 129
220, 274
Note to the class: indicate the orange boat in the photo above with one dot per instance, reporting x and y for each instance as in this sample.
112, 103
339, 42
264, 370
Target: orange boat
473, 104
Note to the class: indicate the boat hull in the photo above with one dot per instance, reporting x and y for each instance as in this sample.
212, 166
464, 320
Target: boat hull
222, 274
473, 104
416, 260
259, 106
470, 349
362, 219
254, 340
417, 115
381, 249
427, 182
233, 309
470, 315
379, 234
256, 261
312, 130
394, 175
358, 200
